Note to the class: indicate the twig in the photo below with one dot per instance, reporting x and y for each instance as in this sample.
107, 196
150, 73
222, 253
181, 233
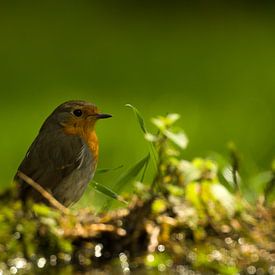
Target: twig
44, 193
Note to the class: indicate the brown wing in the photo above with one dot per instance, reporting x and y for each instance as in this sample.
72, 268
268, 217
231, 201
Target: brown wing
51, 157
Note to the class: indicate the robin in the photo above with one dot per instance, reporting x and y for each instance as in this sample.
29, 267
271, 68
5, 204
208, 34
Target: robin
63, 157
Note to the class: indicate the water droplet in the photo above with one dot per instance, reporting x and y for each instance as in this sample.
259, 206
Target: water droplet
255, 257
150, 258
161, 248
124, 263
41, 262
228, 240
20, 263
53, 260
98, 250
251, 269
192, 256
179, 236
216, 255
161, 267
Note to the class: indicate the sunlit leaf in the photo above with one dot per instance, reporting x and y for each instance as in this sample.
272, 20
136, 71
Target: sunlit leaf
191, 173
228, 176
159, 123
107, 191
163, 123
172, 118
179, 138
150, 137
224, 197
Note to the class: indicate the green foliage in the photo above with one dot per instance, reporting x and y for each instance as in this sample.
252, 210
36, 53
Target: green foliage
127, 177
106, 170
185, 220
107, 191
146, 133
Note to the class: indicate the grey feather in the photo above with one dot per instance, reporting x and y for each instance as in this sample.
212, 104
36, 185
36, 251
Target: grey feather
60, 163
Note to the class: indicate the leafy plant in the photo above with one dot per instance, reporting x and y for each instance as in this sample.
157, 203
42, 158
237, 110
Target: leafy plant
187, 220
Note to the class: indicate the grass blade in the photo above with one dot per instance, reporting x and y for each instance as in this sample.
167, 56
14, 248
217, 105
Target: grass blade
145, 169
139, 118
106, 170
107, 191
131, 174
144, 130
127, 177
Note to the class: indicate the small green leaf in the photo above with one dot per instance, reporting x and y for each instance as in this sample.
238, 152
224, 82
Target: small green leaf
163, 123
179, 138
107, 191
172, 118
159, 123
106, 170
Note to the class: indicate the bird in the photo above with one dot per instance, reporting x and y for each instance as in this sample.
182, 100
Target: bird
63, 157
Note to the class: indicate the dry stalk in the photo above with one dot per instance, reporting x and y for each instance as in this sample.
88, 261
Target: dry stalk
44, 193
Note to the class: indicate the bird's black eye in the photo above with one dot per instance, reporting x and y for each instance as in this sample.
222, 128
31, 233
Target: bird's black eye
77, 112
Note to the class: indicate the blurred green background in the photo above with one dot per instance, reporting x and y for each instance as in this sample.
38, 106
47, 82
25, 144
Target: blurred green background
212, 63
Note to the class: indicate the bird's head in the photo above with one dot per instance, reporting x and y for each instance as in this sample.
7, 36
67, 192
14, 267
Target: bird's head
75, 117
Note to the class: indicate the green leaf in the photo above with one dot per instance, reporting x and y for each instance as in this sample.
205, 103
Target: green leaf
131, 174
224, 197
106, 170
179, 138
172, 118
107, 191
159, 123
145, 169
163, 123
127, 177
139, 118
146, 133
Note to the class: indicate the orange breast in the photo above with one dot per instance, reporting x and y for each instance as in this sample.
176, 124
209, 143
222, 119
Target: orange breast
92, 142
85, 131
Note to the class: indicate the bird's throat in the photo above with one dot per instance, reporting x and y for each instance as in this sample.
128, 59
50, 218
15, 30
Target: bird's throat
87, 132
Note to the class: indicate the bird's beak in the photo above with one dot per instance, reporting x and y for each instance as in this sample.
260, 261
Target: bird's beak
100, 116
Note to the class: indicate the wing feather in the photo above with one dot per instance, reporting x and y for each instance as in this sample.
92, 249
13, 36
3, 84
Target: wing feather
51, 158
